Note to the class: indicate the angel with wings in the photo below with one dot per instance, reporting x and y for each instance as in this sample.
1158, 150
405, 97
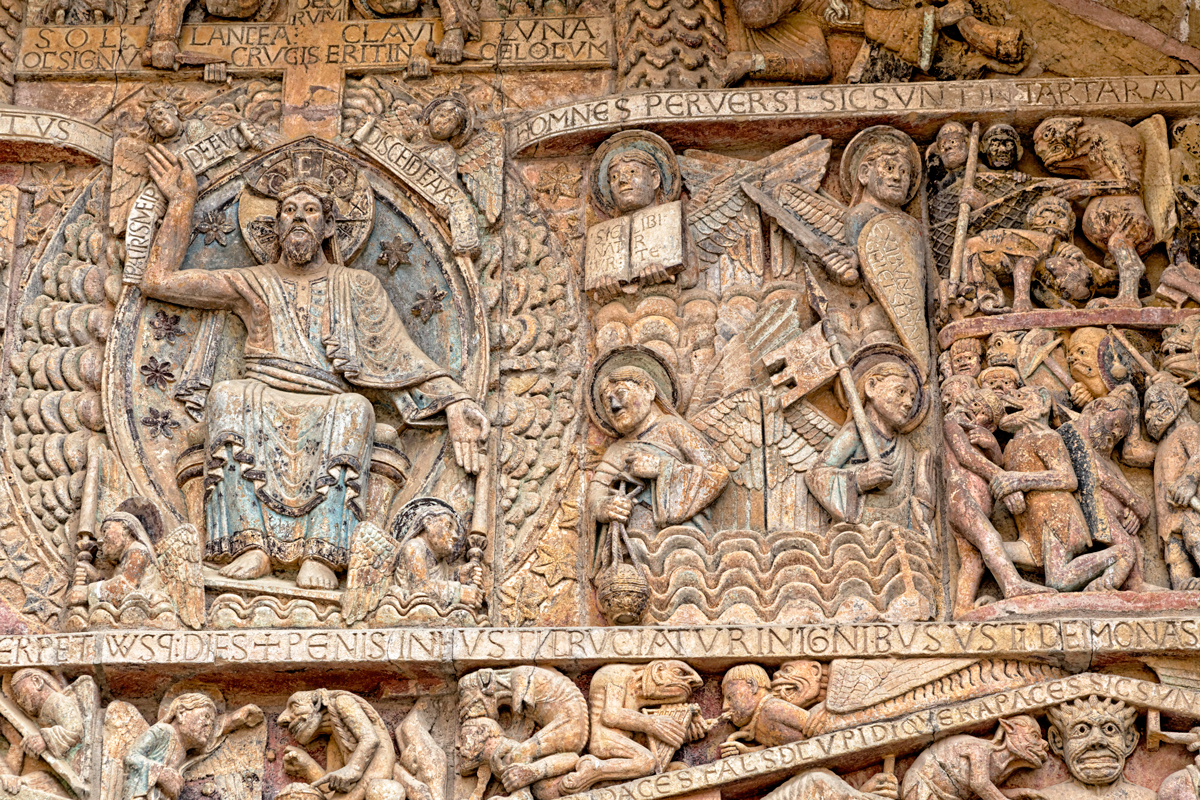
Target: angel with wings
459, 148
133, 573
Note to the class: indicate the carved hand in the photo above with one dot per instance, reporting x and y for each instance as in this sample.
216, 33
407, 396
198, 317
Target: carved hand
518, 776
732, 748
173, 176
883, 784
341, 780
842, 265
170, 781
952, 13
1005, 484
300, 764
34, 745
667, 730
1182, 491
616, 508
1080, 395
874, 474
419, 67
643, 465
1015, 503
981, 437
249, 716
11, 783
471, 595
469, 428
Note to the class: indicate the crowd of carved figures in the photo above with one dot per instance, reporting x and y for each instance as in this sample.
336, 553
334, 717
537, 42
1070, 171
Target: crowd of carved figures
472, 348
531, 732
773, 433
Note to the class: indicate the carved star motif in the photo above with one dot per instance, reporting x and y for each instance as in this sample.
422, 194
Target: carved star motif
38, 600
428, 304
522, 600
554, 562
14, 561
558, 182
51, 185
394, 253
166, 326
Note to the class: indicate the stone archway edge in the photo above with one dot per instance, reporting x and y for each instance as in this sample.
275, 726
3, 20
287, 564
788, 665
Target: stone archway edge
57, 130
918, 108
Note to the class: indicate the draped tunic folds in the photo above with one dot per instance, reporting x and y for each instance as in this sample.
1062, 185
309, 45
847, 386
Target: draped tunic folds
834, 481
289, 445
690, 477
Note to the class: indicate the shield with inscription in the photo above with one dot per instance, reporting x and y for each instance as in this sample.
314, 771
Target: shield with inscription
893, 265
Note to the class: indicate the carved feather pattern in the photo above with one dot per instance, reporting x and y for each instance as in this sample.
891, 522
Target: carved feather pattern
179, 556
824, 214
481, 165
130, 175
723, 224
795, 439
857, 683
977, 679
372, 556
734, 425
123, 724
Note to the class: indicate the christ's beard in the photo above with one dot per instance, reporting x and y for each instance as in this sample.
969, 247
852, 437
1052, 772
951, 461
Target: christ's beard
300, 244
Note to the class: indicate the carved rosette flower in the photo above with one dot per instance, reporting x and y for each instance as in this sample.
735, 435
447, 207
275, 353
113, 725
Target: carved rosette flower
159, 423
215, 226
157, 373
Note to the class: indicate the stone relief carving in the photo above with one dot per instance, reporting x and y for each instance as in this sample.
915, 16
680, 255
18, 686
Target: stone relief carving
411, 401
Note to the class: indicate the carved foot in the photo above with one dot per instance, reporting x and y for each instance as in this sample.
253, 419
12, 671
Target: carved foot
315, 575
248, 566
1024, 587
587, 772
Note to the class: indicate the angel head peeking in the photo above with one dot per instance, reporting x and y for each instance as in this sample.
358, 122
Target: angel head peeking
432, 538
163, 118
635, 180
446, 118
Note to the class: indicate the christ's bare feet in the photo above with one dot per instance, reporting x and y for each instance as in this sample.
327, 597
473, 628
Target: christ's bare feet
315, 575
248, 566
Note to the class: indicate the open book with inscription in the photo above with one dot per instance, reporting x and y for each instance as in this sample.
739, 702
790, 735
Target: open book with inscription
645, 246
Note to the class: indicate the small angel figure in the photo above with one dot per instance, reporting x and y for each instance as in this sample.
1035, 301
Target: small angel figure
432, 539
166, 585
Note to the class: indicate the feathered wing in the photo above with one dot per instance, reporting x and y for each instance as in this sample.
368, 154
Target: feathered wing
481, 165
856, 683
123, 724
179, 556
795, 437
727, 225
372, 556
734, 425
130, 175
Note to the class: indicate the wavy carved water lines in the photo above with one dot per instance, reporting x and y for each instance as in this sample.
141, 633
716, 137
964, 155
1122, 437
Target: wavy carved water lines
845, 573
